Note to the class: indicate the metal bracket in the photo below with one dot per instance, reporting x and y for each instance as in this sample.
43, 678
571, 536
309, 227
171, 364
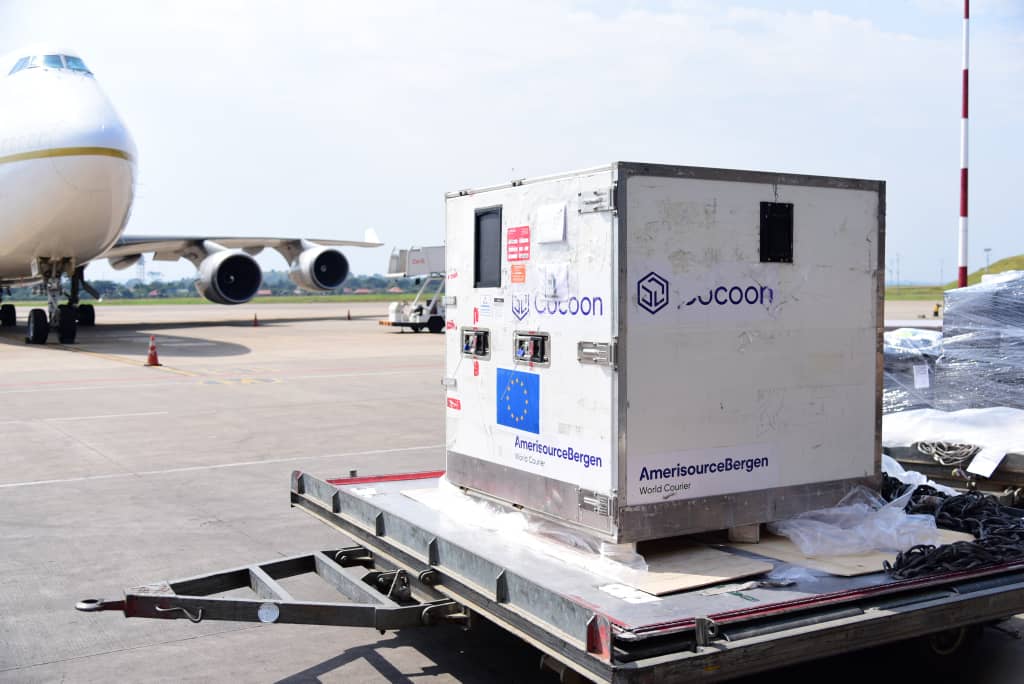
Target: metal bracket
594, 501
430, 577
394, 584
596, 353
705, 630
593, 201
449, 300
352, 555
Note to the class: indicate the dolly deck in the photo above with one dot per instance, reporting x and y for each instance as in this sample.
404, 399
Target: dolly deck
415, 566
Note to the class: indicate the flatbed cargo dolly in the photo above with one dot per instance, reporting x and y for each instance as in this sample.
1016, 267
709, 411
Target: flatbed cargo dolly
413, 565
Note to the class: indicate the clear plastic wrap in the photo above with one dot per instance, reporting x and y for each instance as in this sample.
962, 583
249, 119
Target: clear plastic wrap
910, 356
982, 359
615, 561
860, 523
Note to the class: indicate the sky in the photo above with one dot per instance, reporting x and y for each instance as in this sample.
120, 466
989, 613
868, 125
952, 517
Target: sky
321, 119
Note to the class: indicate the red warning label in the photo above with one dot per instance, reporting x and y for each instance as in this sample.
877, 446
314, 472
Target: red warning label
518, 247
454, 403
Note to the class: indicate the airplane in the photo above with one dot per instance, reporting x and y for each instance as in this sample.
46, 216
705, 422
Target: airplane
67, 182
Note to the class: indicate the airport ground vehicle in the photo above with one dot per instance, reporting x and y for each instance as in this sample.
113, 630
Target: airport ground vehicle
426, 310
410, 566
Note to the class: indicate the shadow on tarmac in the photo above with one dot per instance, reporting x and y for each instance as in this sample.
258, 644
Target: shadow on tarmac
130, 341
483, 654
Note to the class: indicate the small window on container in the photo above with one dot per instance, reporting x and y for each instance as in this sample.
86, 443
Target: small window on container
776, 232
487, 248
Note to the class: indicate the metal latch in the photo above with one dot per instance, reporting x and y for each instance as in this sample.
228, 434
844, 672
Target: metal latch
594, 501
449, 382
596, 353
592, 201
449, 300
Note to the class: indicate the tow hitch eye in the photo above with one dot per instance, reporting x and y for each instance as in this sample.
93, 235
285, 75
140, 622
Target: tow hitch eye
94, 605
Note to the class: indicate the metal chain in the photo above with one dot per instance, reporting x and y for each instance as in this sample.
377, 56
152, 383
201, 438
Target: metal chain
998, 531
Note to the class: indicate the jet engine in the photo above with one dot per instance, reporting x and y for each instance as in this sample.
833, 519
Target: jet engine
229, 277
319, 269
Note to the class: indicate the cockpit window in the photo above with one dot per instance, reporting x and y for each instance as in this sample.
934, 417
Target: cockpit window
67, 62
76, 64
21, 64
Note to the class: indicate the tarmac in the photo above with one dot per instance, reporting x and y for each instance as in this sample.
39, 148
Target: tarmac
115, 474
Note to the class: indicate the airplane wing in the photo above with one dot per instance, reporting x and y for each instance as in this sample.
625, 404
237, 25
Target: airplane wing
226, 270
171, 248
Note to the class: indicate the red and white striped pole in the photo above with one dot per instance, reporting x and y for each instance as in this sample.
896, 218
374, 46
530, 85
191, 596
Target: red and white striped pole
962, 262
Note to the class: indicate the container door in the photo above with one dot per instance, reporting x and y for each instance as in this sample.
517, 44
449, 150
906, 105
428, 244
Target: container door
531, 403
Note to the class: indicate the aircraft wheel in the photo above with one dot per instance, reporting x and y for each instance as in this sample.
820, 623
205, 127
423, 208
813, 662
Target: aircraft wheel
435, 324
8, 316
86, 315
38, 327
67, 324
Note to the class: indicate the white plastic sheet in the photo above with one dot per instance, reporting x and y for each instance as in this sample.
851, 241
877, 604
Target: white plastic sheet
999, 428
861, 522
615, 561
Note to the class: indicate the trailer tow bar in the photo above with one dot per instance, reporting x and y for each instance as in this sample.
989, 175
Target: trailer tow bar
382, 599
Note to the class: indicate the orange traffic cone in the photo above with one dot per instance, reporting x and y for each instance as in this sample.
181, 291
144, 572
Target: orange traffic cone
255, 321
152, 359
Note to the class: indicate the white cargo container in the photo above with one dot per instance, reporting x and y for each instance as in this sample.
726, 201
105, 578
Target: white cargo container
646, 350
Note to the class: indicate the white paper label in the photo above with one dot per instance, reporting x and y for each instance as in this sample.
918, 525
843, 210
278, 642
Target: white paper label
485, 308
628, 594
986, 461
921, 379
551, 223
556, 281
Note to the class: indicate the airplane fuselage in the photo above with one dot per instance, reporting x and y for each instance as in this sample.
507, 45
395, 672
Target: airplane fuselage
67, 171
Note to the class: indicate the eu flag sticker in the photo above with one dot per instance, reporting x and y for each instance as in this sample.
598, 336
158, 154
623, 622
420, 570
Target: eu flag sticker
519, 400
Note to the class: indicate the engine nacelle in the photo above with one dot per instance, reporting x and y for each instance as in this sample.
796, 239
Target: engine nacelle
229, 277
319, 269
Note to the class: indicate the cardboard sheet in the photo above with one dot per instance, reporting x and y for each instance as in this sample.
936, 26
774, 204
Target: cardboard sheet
781, 548
691, 566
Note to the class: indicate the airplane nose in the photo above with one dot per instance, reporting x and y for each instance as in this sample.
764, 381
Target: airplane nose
68, 111
90, 120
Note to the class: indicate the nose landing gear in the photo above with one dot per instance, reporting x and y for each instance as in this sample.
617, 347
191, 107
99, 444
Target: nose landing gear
64, 318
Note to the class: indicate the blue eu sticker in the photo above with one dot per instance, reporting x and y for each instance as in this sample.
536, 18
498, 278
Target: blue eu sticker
519, 400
